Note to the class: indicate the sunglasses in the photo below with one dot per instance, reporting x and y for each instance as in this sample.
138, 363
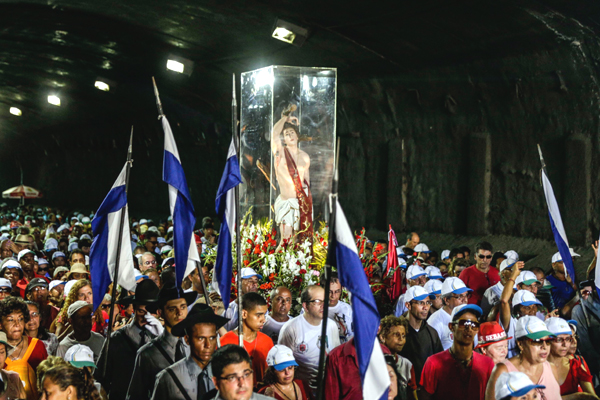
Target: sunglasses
538, 342
567, 340
586, 292
481, 256
466, 323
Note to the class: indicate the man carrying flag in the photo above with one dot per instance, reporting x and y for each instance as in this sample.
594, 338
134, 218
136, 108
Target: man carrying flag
225, 207
103, 253
365, 348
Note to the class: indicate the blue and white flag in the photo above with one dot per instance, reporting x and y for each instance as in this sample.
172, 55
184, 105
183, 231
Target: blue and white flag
182, 210
103, 253
371, 363
558, 230
225, 207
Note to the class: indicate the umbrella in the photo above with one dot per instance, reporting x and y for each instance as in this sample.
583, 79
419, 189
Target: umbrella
21, 192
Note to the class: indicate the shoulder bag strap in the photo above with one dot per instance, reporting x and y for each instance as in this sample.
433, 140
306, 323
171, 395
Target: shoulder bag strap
178, 384
163, 352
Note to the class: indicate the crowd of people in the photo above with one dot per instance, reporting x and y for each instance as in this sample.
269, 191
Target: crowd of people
466, 324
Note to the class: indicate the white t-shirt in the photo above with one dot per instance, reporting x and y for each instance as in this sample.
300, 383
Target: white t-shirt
304, 340
232, 314
438, 320
342, 315
271, 328
95, 343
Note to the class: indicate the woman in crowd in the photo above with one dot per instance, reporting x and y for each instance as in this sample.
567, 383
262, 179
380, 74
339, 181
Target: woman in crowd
457, 266
35, 330
393, 393
81, 290
571, 372
534, 347
493, 341
393, 334
28, 352
11, 386
65, 382
279, 377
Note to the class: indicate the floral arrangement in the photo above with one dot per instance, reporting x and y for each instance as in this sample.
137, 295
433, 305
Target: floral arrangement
290, 264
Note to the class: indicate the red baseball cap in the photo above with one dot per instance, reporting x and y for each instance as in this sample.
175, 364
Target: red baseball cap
490, 333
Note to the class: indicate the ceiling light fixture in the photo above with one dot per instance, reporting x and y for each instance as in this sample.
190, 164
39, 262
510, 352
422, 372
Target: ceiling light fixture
15, 111
175, 66
289, 33
54, 100
105, 87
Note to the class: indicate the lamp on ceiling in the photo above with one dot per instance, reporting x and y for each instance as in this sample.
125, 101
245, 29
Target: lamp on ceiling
15, 111
54, 100
289, 33
180, 65
104, 84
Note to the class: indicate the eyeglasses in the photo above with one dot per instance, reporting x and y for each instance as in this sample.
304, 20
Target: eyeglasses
567, 340
5, 290
105, 306
586, 292
317, 301
464, 296
467, 323
150, 262
34, 314
235, 378
481, 256
421, 303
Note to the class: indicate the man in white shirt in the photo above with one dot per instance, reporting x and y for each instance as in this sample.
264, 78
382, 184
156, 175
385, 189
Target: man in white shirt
491, 296
250, 283
339, 311
454, 293
303, 334
281, 300
415, 276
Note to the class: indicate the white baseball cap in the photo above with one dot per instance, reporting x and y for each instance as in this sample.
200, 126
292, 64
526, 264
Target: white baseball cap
463, 308
557, 257
433, 272
526, 278
143, 221
80, 356
454, 285
5, 283
445, 254
514, 384
68, 286
416, 293
85, 236
512, 255
422, 248
58, 254
23, 252
525, 298
248, 273
42, 261
558, 326
433, 287
55, 283
78, 305
280, 357
161, 239
413, 272
509, 262
531, 327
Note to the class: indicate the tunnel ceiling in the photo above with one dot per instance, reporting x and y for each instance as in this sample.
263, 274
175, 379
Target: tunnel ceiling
63, 46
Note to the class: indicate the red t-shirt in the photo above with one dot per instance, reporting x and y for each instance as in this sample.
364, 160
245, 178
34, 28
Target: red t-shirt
257, 349
478, 281
445, 379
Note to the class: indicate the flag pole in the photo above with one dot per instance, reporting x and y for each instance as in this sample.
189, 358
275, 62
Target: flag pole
201, 275
118, 257
330, 261
158, 103
238, 250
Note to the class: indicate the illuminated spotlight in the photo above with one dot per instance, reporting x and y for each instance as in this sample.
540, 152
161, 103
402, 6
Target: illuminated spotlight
15, 111
105, 87
289, 33
180, 65
54, 100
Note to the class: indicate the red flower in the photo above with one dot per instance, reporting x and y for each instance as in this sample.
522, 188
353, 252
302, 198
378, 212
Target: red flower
272, 277
302, 271
246, 262
249, 242
257, 250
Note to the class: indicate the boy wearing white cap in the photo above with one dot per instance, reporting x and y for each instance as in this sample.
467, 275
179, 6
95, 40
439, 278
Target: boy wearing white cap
516, 385
415, 276
491, 297
424, 340
80, 317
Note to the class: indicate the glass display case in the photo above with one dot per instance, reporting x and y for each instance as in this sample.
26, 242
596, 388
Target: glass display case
288, 120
